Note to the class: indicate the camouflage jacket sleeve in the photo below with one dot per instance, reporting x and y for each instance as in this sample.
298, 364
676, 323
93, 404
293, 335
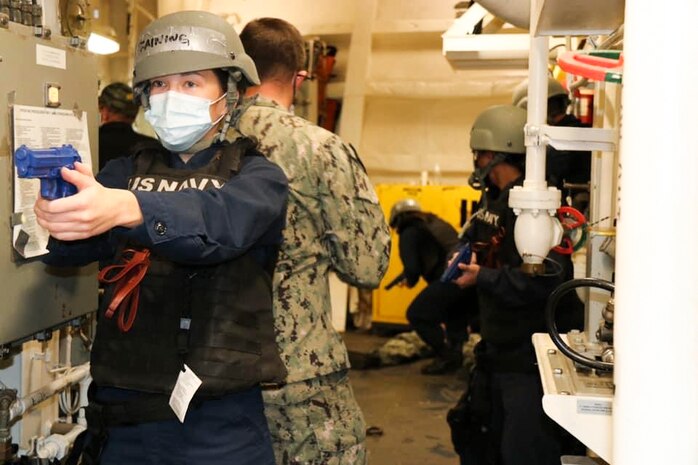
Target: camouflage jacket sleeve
356, 236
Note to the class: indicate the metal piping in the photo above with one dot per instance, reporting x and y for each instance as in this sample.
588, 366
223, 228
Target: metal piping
57, 446
537, 112
7, 397
27, 402
537, 230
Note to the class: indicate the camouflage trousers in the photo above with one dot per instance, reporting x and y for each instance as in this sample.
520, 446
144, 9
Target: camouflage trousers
316, 422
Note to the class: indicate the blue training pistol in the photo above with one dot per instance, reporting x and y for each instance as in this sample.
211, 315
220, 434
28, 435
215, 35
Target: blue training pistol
453, 272
46, 164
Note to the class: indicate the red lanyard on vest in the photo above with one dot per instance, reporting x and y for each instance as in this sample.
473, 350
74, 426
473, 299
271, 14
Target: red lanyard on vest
126, 277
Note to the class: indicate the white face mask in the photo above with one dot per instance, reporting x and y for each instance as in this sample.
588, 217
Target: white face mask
180, 120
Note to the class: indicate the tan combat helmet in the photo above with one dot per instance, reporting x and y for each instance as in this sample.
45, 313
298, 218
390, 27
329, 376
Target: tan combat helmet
520, 96
499, 129
190, 41
194, 41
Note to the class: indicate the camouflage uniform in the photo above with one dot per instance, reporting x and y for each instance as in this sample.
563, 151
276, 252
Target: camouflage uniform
403, 348
333, 223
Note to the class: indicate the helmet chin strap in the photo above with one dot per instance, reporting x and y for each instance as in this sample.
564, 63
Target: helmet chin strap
478, 178
479, 175
142, 92
234, 102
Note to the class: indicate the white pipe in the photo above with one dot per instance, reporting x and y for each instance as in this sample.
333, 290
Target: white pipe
68, 345
56, 446
655, 417
50, 17
73, 376
536, 230
537, 111
84, 385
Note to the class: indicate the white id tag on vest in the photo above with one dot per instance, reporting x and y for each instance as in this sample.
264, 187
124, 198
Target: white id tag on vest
183, 392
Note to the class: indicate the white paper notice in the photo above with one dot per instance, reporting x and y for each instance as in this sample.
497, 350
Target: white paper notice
50, 56
183, 392
41, 128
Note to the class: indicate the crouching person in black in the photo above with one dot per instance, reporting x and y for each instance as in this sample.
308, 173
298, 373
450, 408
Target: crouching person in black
436, 313
501, 418
190, 237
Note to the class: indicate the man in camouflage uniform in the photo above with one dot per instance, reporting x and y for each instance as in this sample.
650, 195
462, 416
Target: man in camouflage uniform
334, 223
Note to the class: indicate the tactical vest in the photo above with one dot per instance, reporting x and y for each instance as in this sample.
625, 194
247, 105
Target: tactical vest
446, 237
492, 233
443, 232
216, 319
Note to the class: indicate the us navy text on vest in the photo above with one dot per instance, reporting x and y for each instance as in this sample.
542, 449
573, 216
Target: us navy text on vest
159, 184
490, 218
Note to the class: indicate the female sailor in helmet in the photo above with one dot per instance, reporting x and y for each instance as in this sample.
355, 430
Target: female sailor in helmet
189, 235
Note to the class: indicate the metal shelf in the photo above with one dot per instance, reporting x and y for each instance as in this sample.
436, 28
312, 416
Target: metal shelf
571, 138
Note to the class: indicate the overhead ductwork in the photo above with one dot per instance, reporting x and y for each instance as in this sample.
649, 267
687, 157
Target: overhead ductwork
465, 47
516, 12
560, 17
470, 42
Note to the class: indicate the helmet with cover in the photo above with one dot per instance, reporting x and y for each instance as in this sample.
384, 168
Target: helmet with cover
190, 41
520, 96
400, 207
499, 129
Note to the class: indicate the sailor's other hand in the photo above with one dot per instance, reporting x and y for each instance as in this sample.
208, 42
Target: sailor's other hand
469, 273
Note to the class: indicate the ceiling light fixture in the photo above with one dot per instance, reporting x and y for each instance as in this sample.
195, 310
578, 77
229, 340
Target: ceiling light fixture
102, 41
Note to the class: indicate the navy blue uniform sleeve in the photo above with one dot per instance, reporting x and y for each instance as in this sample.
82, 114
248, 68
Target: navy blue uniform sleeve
211, 226
193, 226
510, 287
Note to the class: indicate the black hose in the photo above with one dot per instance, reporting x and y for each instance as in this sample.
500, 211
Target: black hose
551, 309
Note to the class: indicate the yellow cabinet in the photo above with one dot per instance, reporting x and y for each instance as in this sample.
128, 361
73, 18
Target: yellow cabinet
451, 203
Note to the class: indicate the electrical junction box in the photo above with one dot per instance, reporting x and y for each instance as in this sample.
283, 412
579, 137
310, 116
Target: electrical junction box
40, 76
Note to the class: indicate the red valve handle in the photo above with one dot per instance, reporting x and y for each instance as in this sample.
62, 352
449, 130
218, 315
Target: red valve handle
599, 65
564, 214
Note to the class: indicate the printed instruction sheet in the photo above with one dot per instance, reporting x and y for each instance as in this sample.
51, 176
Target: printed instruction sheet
41, 128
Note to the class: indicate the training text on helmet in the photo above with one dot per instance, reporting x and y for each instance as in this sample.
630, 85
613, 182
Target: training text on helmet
195, 39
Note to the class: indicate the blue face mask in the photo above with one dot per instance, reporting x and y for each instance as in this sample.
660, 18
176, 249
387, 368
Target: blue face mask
180, 120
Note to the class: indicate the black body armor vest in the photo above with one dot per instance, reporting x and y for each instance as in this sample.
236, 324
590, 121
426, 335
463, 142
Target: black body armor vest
446, 236
443, 232
216, 319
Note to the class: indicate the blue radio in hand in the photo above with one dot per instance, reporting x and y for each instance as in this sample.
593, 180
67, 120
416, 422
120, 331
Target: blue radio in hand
453, 272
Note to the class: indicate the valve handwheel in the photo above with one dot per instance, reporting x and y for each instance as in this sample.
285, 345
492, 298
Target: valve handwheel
571, 220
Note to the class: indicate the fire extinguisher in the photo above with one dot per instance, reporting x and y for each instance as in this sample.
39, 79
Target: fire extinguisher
585, 112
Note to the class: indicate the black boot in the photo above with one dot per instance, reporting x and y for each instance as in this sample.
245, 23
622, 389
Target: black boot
447, 362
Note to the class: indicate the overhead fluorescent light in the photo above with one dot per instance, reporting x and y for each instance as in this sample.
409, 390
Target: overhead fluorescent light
103, 42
